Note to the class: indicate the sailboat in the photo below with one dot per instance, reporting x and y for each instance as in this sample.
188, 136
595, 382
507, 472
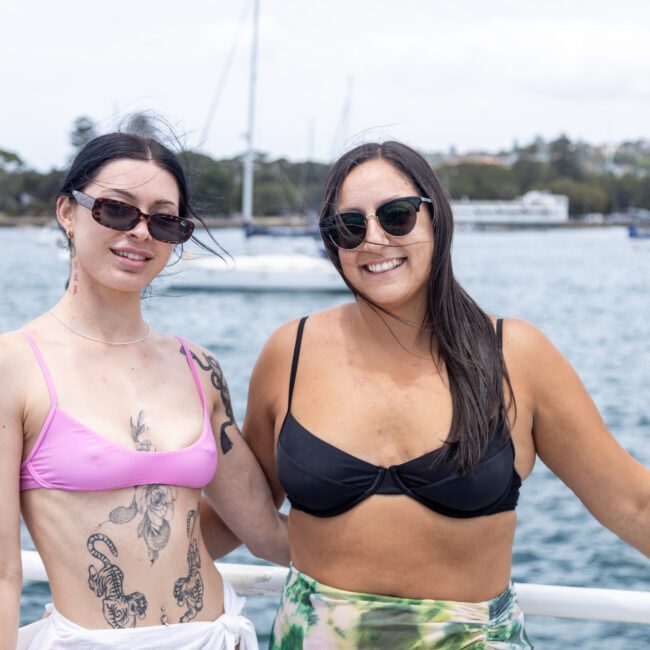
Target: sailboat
280, 271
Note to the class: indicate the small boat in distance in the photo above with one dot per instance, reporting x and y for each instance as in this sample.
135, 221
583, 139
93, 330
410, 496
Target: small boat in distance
639, 231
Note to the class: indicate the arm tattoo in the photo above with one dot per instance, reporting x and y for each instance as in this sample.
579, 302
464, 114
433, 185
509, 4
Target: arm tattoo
188, 590
155, 502
219, 382
137, 429
120, 609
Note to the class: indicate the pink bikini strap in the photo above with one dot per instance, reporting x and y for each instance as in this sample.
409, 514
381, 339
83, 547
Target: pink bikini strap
42, 364
195, 372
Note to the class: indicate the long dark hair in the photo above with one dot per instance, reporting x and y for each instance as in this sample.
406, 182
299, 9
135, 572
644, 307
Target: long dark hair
459, 329
118, 145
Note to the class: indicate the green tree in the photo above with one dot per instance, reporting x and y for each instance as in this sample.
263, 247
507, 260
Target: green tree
83, 131
565, 162
43, 190
10, 161
214, 185
11, 190
583, 196
529, 174
479, 181
141, 124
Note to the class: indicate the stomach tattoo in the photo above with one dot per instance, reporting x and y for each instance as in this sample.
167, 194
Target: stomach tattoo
188, 590
120, 610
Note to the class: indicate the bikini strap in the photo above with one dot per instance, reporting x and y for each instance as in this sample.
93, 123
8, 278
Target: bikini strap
296, 355
43, 365
500, 333
195, 372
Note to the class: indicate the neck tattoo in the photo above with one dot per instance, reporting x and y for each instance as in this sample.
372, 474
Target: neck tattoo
92, 338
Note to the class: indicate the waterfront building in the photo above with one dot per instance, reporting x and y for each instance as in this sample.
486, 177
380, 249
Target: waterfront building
533, 208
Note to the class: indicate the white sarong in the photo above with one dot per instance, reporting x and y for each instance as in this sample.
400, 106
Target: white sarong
224, 633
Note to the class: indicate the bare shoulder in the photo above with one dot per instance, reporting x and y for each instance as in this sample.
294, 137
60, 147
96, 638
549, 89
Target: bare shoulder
282, 339
208, 366
523, 342
198, 352
14, 349
14, 355
320, 325
536, 365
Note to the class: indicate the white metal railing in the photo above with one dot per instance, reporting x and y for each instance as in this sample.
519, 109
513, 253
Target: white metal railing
535, 600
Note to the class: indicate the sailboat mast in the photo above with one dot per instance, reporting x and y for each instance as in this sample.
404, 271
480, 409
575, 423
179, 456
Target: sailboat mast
249, 157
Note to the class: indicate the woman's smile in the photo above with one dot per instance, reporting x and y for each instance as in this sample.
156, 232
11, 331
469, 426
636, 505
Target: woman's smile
132, 258
390, 271
384, 267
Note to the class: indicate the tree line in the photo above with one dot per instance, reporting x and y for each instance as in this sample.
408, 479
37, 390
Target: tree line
285, 188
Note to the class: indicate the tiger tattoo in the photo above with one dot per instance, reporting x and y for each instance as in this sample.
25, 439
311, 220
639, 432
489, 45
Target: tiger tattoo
120, 610
188, 591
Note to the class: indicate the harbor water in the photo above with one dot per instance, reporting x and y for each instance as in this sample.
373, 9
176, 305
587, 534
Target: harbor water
588, 290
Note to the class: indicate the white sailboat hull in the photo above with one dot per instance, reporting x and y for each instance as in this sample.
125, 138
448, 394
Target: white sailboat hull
277, 272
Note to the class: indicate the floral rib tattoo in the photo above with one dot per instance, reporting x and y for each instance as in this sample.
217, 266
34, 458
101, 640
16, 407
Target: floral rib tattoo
188, 590
155, 502
211, 365
120, 610
137, 429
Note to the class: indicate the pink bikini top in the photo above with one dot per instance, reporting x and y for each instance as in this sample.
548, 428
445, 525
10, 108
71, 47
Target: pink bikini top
69, 456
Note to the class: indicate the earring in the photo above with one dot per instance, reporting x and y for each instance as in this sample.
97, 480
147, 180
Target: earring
70, 233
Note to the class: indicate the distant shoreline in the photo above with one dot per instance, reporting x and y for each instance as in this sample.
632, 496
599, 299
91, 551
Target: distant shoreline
45, 220
236, 222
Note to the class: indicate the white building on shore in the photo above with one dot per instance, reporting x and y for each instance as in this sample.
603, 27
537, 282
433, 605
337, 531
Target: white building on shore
533, 208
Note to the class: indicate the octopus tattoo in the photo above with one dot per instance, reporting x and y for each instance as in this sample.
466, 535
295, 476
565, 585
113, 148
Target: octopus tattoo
120, 610
219, 382
188, 591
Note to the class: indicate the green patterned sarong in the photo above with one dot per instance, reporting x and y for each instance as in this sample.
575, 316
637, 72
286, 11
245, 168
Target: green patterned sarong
313, 616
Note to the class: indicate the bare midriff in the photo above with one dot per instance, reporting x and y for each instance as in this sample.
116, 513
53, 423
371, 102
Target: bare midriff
392, 545
161, 572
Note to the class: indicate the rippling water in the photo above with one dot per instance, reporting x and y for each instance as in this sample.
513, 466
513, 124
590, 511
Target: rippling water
589, 291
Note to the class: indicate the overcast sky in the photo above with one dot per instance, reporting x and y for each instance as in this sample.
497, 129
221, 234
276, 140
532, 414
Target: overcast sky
473, 74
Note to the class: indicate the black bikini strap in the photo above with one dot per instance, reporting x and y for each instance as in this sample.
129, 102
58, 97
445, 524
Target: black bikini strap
296, 355
500, 333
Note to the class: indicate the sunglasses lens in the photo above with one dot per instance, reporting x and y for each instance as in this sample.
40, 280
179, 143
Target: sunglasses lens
115, 215
174, 230
350, 230
397, 217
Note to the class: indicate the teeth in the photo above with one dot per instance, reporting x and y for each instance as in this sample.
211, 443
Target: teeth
130, 256
384, 266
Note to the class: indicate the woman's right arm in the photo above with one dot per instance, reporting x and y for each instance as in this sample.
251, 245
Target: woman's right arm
11, 447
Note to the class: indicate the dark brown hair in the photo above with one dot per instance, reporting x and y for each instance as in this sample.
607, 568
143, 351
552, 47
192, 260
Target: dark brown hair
459, 329
104, 149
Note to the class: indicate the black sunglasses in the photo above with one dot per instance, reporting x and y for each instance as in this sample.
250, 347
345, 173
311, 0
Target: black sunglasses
121, 216
396, 218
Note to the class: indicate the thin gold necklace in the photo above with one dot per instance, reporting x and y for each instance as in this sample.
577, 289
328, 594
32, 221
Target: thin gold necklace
91, 338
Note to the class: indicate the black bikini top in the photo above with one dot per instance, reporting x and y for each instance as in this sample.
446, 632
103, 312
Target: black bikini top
325, 481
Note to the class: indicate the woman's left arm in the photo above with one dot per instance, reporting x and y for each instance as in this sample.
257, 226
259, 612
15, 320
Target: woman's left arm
572, 439
239, 491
